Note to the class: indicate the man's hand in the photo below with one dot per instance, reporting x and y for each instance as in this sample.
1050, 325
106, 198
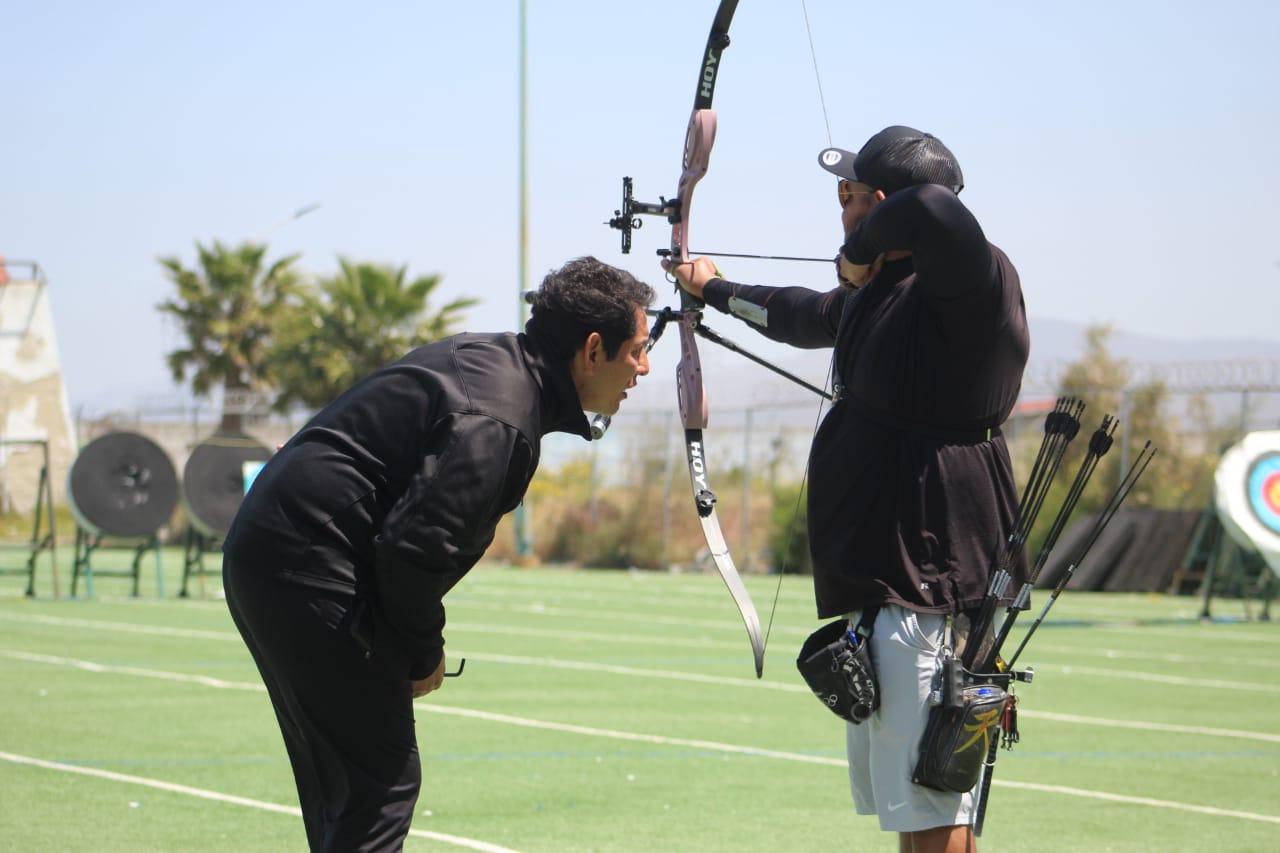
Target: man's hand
433, 681
856, 275
692, 276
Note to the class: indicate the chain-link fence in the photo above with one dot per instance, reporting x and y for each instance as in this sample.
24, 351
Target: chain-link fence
626, 500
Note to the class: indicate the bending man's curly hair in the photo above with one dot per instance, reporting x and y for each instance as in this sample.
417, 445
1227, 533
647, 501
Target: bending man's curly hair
584, 296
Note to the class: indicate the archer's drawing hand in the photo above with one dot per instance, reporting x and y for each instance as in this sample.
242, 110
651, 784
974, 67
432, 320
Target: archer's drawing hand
423, 686
693, 275
853, 275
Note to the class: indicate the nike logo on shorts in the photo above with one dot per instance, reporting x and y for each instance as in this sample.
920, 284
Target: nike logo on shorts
894, 807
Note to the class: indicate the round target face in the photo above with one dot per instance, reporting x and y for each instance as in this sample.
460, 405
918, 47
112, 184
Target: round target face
1247, 494
1263, 490
122, 484
214, 480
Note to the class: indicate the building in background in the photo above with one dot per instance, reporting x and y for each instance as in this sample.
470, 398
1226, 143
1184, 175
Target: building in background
33, 398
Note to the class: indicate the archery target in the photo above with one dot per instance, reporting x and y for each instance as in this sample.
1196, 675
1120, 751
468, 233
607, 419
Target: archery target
1247, 494
1264, 490
122, 484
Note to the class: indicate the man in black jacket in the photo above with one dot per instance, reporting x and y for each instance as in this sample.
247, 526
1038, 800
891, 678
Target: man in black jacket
911, 489
338, 561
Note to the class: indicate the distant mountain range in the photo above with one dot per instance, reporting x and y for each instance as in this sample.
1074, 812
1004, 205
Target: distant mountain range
1061, 340
734, 382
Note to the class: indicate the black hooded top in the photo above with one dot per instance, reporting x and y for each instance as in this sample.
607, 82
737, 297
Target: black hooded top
393, 491
909, 500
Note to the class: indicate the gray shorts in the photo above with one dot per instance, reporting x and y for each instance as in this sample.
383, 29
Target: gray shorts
906, 652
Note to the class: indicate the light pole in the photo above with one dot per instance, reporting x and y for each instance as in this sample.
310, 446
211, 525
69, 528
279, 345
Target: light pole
524, 512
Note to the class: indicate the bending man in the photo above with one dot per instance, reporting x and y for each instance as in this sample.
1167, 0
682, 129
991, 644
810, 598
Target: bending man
338, 561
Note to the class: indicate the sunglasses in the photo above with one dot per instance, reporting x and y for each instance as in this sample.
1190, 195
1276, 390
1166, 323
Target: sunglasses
845, 191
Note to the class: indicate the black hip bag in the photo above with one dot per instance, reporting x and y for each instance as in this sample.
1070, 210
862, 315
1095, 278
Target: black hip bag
836, 664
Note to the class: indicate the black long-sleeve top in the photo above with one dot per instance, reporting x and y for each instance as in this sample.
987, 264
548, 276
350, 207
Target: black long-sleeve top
909, 500
393, 491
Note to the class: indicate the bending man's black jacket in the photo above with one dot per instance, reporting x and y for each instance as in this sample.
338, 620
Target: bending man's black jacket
393, 491
909, 501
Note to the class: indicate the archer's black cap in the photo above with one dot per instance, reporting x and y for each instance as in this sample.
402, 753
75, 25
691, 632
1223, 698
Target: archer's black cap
896, 158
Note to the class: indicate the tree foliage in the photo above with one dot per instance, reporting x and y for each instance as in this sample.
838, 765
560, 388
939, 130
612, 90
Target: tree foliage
1181, 474
227, 306
350, 324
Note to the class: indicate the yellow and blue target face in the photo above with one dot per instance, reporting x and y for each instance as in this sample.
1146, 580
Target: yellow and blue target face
1263, 490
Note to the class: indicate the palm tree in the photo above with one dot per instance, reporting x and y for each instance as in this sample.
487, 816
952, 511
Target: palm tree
364, 316
227, 306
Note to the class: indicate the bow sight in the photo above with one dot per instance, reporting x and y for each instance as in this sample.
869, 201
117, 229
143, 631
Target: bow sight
628, 218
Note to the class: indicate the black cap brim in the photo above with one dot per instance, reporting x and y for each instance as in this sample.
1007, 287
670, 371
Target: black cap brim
838, 162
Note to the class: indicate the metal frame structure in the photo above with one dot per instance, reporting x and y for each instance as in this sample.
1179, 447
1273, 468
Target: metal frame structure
37, 276
1224, 568
43, 526
87, 542
196, 546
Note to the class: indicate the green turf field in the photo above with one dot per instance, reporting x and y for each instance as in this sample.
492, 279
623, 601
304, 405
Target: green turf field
617, 711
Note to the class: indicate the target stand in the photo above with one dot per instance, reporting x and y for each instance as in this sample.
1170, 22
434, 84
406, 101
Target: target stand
43, 529
122, 486
1217, 565
1247, 499
214, 482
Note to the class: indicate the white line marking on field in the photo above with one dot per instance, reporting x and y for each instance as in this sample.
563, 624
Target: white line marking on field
204, 794
731, 681
705, 585
1146, 726
728, 681
1137, 801
614, 734
569, 728
610, 599
1068, 669
823, 760
1194, 632
461, 627
1155, 678
1170, 657
123, 627
538, 609
635, 672
202, 634
594, 636
166, 675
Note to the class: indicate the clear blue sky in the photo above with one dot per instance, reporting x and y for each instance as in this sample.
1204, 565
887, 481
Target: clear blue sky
1124, 154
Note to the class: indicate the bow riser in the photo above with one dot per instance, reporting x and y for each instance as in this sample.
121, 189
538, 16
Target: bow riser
693, 399
698, 141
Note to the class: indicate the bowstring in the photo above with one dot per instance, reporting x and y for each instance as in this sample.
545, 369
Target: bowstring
795, 511
813, 53
831, 367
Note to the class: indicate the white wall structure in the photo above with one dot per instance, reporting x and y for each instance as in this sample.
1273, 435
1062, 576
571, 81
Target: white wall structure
33, 399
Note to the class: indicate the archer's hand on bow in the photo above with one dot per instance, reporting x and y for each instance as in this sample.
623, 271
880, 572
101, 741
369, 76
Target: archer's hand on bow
692, 276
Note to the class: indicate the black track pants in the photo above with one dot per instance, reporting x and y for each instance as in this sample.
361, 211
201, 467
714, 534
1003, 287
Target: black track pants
347, 721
